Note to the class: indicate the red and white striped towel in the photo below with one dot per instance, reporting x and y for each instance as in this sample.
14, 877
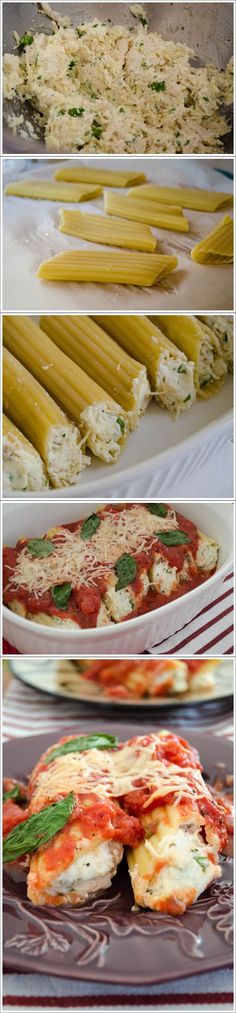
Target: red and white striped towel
210, 632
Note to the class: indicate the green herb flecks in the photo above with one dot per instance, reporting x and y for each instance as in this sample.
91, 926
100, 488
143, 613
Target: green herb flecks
181, 368
25, 40
203, 862
126, 569
157, 86
89, 526
121, 423
71, 67
96, 129
76, 112
40, 547
80, 744
38, 829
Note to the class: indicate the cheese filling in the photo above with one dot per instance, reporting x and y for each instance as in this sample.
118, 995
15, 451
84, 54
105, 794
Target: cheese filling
175, 387
65, 457
21, 470
91, 865
104, 431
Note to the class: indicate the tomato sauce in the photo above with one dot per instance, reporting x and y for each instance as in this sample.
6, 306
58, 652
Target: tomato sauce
12, 814
84, 603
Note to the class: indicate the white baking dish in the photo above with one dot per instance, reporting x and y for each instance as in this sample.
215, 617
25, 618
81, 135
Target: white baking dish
132, 636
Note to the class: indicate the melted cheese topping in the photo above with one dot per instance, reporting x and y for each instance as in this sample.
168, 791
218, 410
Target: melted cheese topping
114, 773
79, 562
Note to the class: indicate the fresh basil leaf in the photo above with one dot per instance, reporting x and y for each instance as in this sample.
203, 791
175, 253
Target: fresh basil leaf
81, 743
60, 594
90, 526
38, 829
159, 509
173, 537
14, 793
40, 547
126, 569
25, 40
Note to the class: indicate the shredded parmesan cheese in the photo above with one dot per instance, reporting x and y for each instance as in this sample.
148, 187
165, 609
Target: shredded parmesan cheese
79, 562
114, 773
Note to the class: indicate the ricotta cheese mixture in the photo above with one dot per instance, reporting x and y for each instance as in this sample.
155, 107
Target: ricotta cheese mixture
101, 87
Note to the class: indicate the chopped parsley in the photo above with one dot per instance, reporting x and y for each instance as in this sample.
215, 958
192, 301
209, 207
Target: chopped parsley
25, 40
203, 862
157, 86
121, 423
71, 66
76, 112
96, 129
181, 368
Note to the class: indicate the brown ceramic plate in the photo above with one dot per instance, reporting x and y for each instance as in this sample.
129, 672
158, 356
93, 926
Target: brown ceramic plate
62, 678
105, 939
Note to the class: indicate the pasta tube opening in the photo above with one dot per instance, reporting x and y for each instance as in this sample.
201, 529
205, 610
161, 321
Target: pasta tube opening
31, 408
23, 468
197, 341
101, 420
170, 374
87, 344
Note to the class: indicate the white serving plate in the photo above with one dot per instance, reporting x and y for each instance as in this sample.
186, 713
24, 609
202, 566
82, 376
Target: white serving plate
59, 678
134, 635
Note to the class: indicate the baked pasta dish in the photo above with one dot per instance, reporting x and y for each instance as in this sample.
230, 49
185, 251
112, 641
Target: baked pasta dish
89, 798
122, 561
141, 679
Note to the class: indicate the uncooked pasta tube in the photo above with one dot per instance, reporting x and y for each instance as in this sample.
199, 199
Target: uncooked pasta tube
201, 345
170, 374
41, 420
92, 349
44, 189
217, 247
105, 177
23, 468
99, 418
98, 229
110, 268
197, 200
143, 211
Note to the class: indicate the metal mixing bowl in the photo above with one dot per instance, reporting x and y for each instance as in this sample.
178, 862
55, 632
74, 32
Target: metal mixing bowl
205, 27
